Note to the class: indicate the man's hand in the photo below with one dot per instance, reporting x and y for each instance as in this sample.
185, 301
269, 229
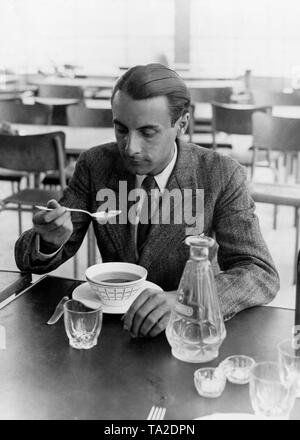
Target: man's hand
149, 314
54, 227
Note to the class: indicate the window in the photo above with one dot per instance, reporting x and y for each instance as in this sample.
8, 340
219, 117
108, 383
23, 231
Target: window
231, 36
92, 33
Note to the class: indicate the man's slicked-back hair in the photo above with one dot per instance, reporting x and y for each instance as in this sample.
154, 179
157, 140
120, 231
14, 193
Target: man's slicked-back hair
151, 80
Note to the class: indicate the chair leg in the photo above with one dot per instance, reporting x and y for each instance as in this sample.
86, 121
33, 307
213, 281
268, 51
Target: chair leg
276, 170
288, 167
297, 244
275, 217
20, 220
276, 179
19, 211
253, 164
298, 168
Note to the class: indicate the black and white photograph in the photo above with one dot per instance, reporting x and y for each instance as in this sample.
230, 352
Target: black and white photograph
149, 212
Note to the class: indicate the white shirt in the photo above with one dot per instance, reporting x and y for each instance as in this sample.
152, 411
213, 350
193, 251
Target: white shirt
161, 178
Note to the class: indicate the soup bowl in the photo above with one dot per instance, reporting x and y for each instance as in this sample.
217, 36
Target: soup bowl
116, 283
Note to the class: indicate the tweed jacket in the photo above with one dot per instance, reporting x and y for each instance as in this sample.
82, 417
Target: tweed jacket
245, 272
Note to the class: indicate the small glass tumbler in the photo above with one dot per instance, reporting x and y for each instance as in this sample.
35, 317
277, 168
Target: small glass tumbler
82, 325
237, 368
271, 396
209, 382
289, 360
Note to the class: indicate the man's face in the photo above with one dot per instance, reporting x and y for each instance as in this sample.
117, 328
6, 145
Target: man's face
144, 133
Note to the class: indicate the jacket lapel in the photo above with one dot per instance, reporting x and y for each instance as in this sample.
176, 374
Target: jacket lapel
119, 229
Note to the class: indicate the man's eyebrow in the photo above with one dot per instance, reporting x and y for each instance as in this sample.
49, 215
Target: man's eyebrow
115, 121
148, 126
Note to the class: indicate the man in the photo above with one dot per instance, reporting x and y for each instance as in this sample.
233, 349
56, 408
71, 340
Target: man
150, 111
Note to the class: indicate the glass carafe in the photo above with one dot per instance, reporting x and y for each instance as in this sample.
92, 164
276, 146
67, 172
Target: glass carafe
196, 328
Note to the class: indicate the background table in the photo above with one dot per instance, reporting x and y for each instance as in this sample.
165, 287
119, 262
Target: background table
42, 377
59, 106
286, 111
99, 83
204, 110
78, 139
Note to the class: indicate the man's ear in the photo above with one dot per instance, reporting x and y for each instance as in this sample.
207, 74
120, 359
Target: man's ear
182, 124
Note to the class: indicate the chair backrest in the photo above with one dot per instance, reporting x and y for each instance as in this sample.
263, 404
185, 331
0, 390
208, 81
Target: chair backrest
60, 91
35, 153
265, 97
261, 130
234, 118
15, 111
278, 134
80, 116
209, 94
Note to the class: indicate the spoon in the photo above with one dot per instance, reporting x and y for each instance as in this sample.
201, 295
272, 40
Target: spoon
97, 215
58, 312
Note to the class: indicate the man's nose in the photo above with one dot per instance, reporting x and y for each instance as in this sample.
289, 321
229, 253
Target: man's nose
133, 145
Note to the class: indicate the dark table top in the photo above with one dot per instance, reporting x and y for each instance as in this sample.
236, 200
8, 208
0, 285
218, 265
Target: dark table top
42, 377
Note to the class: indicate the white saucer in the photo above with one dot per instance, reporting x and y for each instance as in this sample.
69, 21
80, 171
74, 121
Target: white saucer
86, 296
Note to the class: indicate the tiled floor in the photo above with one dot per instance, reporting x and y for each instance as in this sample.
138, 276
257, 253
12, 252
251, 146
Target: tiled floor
280, 242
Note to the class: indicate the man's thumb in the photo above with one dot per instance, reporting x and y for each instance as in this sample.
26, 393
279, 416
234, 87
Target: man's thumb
53, 204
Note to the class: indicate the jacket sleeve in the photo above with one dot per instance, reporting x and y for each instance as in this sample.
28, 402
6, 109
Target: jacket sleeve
77, 194
248, 276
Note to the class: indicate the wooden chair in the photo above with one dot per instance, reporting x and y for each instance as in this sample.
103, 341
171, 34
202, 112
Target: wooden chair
60, 91
209, 94
236, 119
81, 116
282, 136
206, 96
59, 113
279, 134
280, 194
17, 112
32, 154
14, 111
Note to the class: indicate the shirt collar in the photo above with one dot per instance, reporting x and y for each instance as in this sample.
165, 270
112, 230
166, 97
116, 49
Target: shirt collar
161, 178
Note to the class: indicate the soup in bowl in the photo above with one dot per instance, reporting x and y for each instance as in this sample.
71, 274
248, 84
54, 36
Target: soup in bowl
115, 283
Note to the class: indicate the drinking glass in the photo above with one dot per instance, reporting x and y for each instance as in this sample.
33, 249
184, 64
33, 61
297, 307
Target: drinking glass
272, 396
289, 360
210, 382
237, 368
82, 324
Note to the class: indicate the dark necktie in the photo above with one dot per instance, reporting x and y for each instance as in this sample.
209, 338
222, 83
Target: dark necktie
148, 184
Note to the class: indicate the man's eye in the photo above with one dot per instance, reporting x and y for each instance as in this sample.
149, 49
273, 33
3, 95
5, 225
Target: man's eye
148, 133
